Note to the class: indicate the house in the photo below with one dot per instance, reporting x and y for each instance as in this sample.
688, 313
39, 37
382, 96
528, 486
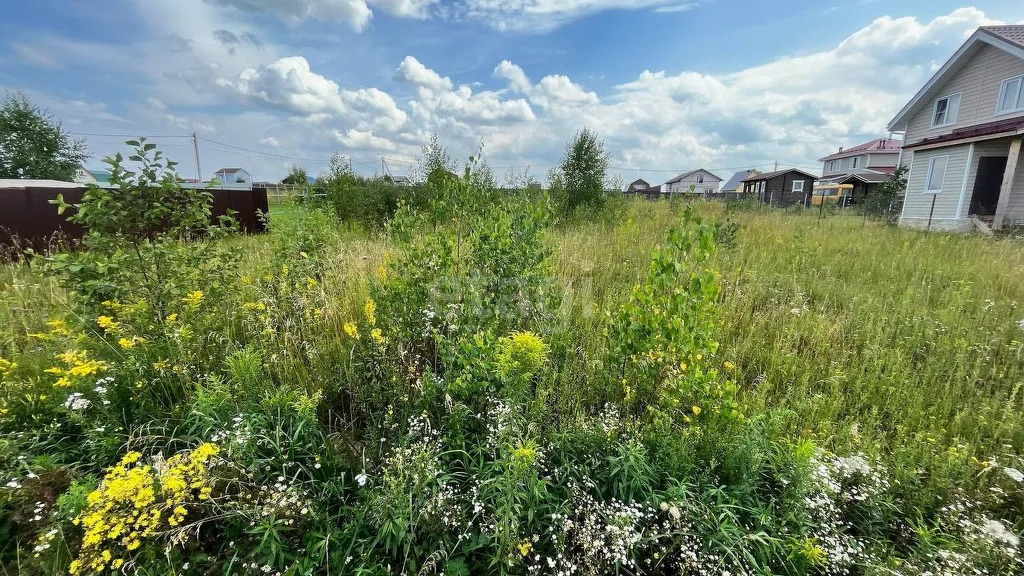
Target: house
230, 177
401, 181
864, 166
781, 188
735, 184
99, 177
962, 137
637, 185
698, 181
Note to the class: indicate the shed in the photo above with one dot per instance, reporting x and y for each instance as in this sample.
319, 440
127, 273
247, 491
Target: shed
782, 188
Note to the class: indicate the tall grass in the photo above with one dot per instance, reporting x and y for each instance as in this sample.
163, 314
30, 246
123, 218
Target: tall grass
870, 336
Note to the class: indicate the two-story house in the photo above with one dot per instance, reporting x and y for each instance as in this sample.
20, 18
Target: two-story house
962, 136
698, 181
233, 178
864, 166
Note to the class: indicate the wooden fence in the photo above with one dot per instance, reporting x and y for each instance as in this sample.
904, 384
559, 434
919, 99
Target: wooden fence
27, 219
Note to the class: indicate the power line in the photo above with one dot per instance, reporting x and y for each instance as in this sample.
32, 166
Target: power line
261, 153
128, 135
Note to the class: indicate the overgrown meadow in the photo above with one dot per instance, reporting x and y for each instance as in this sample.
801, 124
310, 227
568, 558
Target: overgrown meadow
486, 386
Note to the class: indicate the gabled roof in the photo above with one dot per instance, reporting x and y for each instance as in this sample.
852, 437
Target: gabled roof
1007, 38
770, 175
738, 178
229, 170
876, 145
691, 173
638, 181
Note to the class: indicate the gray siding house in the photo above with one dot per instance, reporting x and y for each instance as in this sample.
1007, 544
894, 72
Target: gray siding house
962, 137
698, 181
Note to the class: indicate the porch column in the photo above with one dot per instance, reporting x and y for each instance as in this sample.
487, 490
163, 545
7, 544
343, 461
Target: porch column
1008, 176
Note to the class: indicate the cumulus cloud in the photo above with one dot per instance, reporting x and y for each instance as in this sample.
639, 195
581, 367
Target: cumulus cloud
364, 140
270, 141
517, 79
411, 71
405, 8
289, 83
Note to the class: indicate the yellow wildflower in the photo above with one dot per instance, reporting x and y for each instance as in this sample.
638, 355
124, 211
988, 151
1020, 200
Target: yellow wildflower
6, 367
525, 547
696, 410
352, 330
172, 318
310, 283
377, 336
126, 344
58, 328
370, 309
194, 298
729, 366
107, 323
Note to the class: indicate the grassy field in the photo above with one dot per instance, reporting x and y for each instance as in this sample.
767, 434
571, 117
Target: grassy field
884, 345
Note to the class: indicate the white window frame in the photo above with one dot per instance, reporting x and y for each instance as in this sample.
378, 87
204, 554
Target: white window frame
833, 165
955, 112
928, 174
855, 163
1002, 91
796, 189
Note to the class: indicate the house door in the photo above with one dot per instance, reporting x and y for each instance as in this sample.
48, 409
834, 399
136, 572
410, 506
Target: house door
987, 184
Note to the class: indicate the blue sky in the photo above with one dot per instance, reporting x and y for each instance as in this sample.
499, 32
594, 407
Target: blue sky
670, 85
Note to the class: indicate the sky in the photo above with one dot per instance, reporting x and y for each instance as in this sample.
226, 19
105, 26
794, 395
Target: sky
669, 85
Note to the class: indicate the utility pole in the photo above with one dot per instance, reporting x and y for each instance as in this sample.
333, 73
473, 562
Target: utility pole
195, 146
776, 166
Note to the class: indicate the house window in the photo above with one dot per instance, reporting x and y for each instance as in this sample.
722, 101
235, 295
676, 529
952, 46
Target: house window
1011, 95
936, 174
798, 186
833, 166
855, 162
945, 110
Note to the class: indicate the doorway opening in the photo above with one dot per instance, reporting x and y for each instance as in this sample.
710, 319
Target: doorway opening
986, 185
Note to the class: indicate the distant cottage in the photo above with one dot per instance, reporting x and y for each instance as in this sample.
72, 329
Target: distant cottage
781, 188
864, 166
698, 181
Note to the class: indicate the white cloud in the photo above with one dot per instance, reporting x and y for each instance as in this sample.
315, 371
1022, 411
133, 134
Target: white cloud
186, 123
355, 13
270, 141
360, 140
411, 71
289, 83
517, 79
684, 7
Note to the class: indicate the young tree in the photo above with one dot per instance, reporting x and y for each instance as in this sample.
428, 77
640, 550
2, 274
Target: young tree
434, 159
583, 170
297, 176
887, 201
35, 145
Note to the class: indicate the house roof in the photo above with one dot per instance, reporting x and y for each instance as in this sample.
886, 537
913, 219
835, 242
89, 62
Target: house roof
229, 170
100, 175
691, 173
770, 175
1007, 38
1012, 34
737, 179
1008, 126
876, 145
645, 183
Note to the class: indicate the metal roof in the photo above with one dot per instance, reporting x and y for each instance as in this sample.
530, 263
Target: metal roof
770, 175
738, 179
876, 145
1012, 34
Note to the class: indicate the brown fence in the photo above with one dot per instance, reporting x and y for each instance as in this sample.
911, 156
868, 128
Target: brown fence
27, 219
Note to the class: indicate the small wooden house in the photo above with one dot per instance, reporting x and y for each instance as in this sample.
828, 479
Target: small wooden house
781, 188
